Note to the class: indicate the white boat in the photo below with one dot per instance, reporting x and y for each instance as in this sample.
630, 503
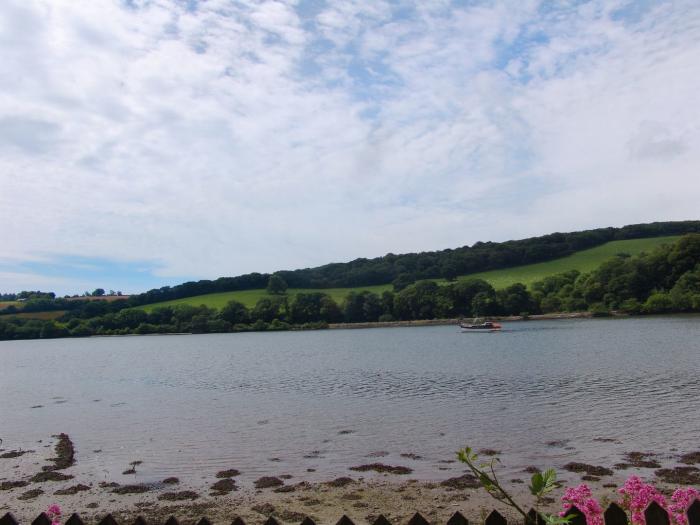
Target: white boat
480, 325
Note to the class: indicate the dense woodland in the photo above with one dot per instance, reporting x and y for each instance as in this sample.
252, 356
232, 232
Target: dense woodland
662, 281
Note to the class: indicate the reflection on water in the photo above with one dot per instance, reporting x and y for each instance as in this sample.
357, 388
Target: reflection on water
192, 405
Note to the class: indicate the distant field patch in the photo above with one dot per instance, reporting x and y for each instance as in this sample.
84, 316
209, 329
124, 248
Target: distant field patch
584, 261
5, 304
44, 316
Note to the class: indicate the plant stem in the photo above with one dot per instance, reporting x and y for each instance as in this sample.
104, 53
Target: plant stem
480, 473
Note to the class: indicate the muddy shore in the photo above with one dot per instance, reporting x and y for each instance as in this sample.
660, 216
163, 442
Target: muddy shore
390, 491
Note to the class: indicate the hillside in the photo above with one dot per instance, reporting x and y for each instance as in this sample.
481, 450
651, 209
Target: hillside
584, 261
435, 265
250, 297
655, 276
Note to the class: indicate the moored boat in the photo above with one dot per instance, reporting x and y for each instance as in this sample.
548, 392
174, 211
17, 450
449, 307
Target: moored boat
480, 325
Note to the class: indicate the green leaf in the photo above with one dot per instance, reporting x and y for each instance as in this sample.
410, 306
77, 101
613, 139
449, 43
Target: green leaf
549, 478
537, 483
485, 481
555, 519
466, 455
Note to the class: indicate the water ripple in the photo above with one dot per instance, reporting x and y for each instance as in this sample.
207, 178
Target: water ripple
192, 404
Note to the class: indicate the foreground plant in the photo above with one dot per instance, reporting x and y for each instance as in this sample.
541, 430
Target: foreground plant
54, 514
680, 501
637, 496
541, 484
581, 498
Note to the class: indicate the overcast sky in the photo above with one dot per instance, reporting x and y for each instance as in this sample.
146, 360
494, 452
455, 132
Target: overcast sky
145, 143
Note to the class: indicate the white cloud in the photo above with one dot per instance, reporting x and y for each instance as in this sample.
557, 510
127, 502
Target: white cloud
236, 137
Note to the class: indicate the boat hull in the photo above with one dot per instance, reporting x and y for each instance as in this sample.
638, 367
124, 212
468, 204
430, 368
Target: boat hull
480, 327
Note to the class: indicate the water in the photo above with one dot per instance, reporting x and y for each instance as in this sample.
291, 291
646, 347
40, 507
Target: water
286, 402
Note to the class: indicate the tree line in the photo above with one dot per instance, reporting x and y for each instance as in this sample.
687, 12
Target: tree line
662, 281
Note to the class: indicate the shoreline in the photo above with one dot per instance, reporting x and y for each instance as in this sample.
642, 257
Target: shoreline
455, 321
361, 499
554, 316
290, 498
402, 324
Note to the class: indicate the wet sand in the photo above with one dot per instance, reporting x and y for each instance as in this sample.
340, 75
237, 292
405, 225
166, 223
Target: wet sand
221, 498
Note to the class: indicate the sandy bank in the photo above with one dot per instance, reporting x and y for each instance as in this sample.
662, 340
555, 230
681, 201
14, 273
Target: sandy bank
221, 497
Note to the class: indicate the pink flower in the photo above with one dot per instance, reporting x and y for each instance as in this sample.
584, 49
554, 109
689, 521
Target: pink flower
580, 497
681, 500
637, 496
54, 514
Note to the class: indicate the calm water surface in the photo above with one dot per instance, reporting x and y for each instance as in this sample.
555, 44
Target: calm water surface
274, 403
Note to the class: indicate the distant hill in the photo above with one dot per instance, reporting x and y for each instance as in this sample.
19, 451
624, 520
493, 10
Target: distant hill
583, 261
466, 260
651, 275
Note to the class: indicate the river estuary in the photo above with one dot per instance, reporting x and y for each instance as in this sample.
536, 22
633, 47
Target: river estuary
313, 404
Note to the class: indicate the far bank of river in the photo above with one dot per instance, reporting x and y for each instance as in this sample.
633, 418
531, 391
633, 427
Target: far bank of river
416, 323
443, 322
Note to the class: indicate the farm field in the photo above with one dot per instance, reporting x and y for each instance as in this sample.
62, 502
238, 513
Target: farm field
251, 297
44, 316
5, 304
584, 261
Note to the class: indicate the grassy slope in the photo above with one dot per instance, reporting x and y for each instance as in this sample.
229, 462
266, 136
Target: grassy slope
583, 261
250, 297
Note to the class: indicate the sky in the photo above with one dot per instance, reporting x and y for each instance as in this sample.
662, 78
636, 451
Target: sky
148, 142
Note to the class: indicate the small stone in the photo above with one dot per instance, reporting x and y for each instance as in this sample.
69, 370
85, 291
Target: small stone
230, 473
224, 486
340, 482
72, 490
268, 482
30, 494
382, 468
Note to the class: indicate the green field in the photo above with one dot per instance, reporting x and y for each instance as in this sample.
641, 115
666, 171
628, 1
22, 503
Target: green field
584, 261
250, 297
5, 304
44, 316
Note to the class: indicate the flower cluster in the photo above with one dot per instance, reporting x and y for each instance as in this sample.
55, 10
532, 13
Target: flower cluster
581, 498
637, 496
680, 501
54, 514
